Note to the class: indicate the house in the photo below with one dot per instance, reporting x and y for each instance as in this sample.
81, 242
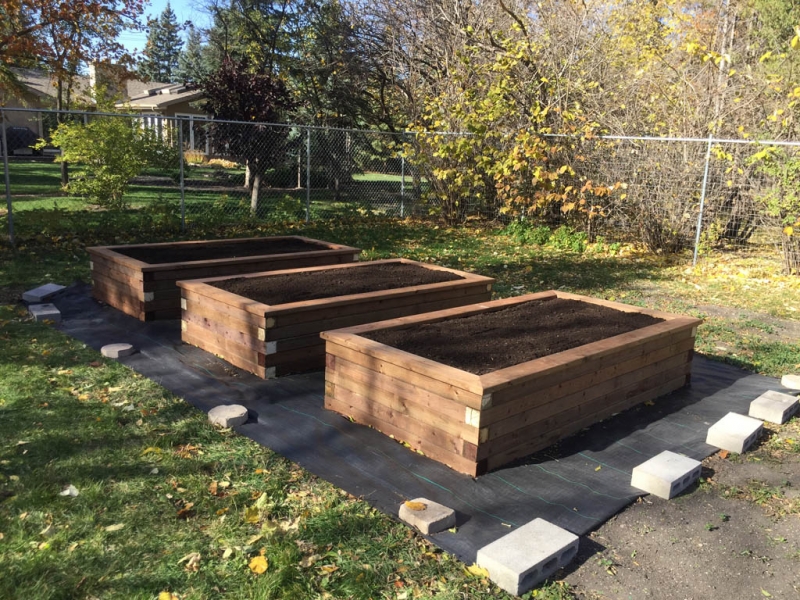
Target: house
152, 100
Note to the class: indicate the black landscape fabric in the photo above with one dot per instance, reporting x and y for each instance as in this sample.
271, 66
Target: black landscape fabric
577, 484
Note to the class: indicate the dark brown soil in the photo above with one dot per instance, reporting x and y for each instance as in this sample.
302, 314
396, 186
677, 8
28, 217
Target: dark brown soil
157, 256
490, 341
282, 289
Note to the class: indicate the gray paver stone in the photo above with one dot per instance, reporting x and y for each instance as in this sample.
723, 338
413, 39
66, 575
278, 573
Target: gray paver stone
734, 432
791, 381
228, 415
116, 350
528, 555
42, 293
434, 518
666, 475
774, 407
45, 312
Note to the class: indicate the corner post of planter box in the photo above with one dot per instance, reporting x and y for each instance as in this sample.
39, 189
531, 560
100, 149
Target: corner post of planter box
7, 178
308, 174
179, 123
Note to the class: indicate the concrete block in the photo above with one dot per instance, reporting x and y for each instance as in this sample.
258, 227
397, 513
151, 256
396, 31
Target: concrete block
45, 312
117, 350
791, 381
666, 475
433, 518
734, 432
42, 293
228, 415
774, 407
528, 555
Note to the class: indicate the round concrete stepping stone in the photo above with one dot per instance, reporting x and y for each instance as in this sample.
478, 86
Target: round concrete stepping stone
229, 415
116, 350
791, 381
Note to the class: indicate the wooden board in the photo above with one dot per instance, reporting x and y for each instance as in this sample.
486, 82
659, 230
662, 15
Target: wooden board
285, 338
149, 291
511, 412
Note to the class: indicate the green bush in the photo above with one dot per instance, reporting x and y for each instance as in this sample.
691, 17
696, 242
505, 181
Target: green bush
525, 232
566, 238
106, 154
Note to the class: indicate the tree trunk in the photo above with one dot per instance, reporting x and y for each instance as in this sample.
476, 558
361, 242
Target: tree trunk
247, 174
254, 194
791, 254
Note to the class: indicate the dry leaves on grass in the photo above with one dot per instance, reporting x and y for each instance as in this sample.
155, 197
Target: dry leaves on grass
476, 571
192, 561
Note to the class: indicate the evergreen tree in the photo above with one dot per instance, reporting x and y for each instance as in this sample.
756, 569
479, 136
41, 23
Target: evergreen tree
192, 64
163, 48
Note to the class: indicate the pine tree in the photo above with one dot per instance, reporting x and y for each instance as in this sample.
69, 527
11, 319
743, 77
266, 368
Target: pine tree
192, 64
163, 48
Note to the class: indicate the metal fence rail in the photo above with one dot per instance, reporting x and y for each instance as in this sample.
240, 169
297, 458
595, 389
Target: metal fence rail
673, 194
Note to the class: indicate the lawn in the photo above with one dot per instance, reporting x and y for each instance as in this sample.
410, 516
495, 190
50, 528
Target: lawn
168, 504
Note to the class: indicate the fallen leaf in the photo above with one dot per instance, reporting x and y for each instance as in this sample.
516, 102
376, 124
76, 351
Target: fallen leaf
227, 554
766, 594
251, 515
154, 471
212, 488
416, 506
262, 501
185, 511
192, 561
259, 565
115, 527
723, 454
329, 568
72, 547
476, 571
254, 539
599, 467
2, 535
309, 561
224, 484
71, 491
95, 364
167, 596
48, 531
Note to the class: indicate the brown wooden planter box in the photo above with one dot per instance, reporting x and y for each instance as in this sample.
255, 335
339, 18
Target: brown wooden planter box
475, 423
273, 340
148, 291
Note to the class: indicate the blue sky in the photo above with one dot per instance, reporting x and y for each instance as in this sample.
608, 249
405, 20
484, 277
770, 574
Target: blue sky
185, 10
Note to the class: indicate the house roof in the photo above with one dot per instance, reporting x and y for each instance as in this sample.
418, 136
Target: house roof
42, 85
157, 98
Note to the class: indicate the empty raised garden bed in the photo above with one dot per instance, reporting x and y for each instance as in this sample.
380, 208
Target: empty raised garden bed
478, 386
269, 323
140, 279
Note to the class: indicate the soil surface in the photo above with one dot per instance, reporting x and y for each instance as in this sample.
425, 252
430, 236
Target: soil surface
707, 544
495, 340
157, 256
297, 287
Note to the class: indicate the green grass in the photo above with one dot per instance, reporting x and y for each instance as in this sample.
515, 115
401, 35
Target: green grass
157, 484
67, 405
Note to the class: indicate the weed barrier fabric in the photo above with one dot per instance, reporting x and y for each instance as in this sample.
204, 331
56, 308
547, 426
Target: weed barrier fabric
577, 484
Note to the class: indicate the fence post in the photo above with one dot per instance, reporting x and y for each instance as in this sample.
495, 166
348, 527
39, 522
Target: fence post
7, 178
308, 175
402, 185
180, 154
702, 200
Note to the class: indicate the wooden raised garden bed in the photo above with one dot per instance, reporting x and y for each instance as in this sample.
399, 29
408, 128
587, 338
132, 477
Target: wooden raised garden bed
140, 279
478, 420
269, 323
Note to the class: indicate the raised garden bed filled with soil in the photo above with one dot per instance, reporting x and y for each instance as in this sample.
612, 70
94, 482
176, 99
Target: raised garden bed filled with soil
140, 280
478, 386
269, 323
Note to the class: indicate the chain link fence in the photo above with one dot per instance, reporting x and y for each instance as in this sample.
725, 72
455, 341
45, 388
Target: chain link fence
670, 194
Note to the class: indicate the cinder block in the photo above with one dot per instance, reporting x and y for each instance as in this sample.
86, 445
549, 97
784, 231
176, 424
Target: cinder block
228, 415
433, 518
666, 475
42, 293
528, 555
116, 350
45, 312
734, 432
791, 381
774, 407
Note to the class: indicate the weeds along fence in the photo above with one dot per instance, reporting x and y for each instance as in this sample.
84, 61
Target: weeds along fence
671, 194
